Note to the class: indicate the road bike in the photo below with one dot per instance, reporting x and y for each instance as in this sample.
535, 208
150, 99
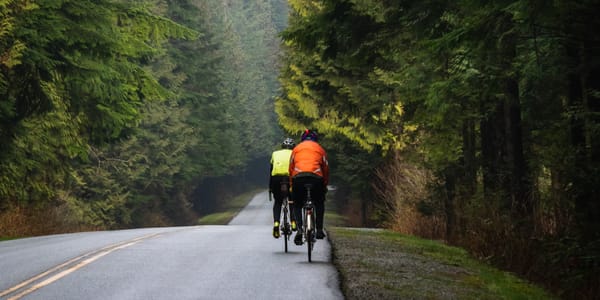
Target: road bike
286, 227
308, 222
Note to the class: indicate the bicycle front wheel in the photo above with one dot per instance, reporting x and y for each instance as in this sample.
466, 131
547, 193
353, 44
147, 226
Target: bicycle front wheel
286, 227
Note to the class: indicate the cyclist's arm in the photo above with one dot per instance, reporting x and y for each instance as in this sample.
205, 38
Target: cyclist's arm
291, 166
325, 168
270, 174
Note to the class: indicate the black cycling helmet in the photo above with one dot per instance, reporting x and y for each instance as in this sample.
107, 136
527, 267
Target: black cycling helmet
310, 134
288, 143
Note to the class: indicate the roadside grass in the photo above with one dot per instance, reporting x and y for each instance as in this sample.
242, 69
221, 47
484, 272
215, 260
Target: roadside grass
236, 204
229, 211
334, 219
381, 264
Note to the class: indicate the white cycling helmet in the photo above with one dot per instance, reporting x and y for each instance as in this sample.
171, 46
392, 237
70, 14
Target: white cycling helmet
288, 143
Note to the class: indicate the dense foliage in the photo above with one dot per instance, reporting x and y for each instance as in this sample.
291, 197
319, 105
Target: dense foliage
494, 104
473, 121
114, 113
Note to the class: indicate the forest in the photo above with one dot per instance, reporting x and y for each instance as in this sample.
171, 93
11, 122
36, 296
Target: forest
119, 114
472, 122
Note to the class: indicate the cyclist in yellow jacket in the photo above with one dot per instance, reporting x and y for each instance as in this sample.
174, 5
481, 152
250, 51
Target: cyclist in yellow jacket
280, 160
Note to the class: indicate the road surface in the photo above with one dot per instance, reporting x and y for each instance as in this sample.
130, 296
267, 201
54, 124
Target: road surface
237, 261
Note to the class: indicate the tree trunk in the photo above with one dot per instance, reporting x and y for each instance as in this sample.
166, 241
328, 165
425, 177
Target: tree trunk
469, 151
582, 106
450, 186
492, 152
518, 184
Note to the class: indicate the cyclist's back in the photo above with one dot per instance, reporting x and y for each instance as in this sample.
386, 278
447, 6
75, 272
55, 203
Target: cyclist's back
279, 174
308, 165
308, 157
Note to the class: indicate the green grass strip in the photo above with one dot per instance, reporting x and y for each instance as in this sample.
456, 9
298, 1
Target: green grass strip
381, 264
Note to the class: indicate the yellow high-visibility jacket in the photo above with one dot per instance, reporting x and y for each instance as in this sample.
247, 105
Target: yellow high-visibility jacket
280, 162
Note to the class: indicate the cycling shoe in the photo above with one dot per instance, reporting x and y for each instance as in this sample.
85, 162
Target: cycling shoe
298, 239
320, 234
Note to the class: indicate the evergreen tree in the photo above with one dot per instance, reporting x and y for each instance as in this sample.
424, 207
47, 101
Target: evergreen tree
78, 80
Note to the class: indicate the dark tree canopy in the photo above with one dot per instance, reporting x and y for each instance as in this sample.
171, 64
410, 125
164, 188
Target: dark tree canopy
116, 111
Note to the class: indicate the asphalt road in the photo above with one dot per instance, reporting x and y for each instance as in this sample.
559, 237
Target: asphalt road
237, 261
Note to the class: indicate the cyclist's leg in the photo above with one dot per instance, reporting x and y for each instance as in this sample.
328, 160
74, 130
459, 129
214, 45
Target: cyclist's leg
298, 194
319, 202
278, 197
292, 212
277, 202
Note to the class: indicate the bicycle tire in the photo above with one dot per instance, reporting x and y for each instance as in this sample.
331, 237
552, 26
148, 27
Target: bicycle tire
286, 226
309, 221
309, 234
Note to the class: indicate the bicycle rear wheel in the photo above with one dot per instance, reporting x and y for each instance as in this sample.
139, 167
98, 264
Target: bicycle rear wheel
310, 233
285, 242
286, 226
309, 244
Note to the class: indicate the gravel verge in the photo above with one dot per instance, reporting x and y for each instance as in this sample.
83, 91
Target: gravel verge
380, 264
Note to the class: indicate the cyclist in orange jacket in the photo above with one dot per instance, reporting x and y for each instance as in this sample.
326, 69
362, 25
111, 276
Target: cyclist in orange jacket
308, 164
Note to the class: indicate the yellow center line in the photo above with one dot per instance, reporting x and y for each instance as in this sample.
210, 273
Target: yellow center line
82, 262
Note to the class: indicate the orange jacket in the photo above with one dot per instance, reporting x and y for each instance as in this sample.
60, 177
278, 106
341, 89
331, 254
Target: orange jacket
309, 156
